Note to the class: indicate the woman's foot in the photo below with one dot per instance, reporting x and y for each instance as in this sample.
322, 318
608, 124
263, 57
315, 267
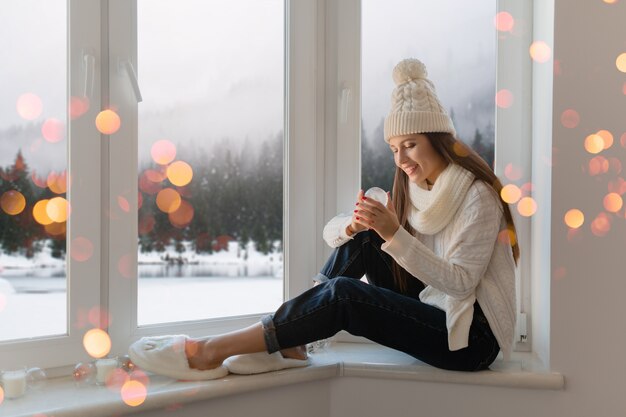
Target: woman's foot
298, 352
201, 355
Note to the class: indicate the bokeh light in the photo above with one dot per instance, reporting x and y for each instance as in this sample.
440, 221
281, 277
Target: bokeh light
58, 209
620, 62
504, 99
527, 188
168, 200
179, 173
460, 149
146, 224
183, 216
29, 106
163, 152
148, 186
13, 202
574, 218
570, 118
540, 51
81, 249
57, 182
504, 22
601, 225
511, 193
134, 393
615, 165
108, 122
78, 106
99, 317
1, 395
610, 1
559, 273
155, 176
512, 172
56, 229
37, 180
507, 237
598, 165
40, 214
123, 204
527, 206
116, 379
607, 138
594, 143
617, 186
613, 202
97, 343
622, 140
53, 130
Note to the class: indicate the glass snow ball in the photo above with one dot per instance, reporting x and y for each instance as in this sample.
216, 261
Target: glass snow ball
126, 364
36, 378
84, 374
377, 194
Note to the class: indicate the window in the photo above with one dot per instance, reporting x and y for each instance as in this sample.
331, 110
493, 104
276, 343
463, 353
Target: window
482, 76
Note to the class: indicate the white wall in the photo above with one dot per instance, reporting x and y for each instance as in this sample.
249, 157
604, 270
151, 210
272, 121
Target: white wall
587, 305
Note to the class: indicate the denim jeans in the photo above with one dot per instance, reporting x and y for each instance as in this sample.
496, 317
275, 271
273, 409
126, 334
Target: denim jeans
377, 311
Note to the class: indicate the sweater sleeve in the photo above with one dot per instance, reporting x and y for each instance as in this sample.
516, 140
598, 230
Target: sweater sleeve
335, 231
467, 256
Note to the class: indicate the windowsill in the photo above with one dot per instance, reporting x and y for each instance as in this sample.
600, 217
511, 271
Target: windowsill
356, 360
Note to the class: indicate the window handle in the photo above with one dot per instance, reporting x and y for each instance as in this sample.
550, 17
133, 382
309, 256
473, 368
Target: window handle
89, 67
127, 67
344, 104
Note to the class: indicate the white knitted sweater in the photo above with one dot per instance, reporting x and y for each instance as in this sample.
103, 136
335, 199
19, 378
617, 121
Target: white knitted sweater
461, 263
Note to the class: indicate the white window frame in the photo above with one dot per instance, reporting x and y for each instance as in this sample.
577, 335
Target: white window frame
303, 172
514, 71
84, 192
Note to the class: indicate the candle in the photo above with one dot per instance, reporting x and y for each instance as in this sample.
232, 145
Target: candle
14, 383
103, 368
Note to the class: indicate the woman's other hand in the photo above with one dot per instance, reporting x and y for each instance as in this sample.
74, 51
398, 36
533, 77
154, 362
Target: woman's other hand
355, 227
370, 214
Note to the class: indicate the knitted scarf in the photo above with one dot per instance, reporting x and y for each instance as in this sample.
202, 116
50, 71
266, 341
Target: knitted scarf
432, 210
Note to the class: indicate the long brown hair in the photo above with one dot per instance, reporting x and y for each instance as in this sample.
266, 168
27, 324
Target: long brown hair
455, 152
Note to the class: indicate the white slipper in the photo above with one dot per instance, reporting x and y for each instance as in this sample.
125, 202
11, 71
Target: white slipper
165, 355
256, 363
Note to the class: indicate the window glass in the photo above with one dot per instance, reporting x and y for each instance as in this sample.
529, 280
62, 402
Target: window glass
456, 40
33, 168
210, 158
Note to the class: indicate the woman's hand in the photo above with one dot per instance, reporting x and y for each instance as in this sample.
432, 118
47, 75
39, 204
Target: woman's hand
371, 214
355, 227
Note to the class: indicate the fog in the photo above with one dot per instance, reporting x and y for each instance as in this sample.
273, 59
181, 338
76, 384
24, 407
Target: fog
214, 69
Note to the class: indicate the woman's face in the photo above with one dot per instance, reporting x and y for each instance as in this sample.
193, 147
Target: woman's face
417, 158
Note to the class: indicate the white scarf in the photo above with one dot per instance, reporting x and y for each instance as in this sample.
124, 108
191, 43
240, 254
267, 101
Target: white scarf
432, 210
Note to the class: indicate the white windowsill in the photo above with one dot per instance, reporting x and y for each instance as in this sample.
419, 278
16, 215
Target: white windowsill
361, 360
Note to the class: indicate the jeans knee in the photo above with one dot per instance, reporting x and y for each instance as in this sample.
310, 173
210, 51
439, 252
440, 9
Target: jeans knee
343, 287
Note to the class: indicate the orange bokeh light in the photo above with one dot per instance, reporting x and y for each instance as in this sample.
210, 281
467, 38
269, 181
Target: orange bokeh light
168, 200
598, 165
29, 106
81, 249
574, 218
108, 122
13, 202
511, 193
78, 106
540, 52
97, 343
1, 395
594, 143
58, 209
610, 1
53, 130
504, 99
570, 118
622, 140
613, 202
123, 203
99, 317
183, 216
148, 186
57, 182
527, 206
615, 165
507, 237
620, 62
601, 225
155, 176
37, 180
460, 149
56, 229
607, 138
134, 393
163, 152
504, 22
179, 173
40, 214
146, 224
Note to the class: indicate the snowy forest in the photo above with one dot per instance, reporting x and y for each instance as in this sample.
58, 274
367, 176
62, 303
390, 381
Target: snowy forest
236, 194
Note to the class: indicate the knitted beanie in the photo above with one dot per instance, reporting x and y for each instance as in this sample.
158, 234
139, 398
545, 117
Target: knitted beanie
414, 104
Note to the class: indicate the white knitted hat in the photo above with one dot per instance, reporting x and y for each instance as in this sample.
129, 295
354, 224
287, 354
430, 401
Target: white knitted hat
414, 104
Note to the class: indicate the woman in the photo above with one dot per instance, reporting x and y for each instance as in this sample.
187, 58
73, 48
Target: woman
439, 257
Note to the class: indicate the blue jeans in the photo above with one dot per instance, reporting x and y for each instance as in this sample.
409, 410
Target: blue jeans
377, 311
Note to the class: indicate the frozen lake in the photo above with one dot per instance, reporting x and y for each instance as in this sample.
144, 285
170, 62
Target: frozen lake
34, 306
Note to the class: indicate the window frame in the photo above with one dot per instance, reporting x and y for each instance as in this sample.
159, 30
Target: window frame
513, 71
84, 195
